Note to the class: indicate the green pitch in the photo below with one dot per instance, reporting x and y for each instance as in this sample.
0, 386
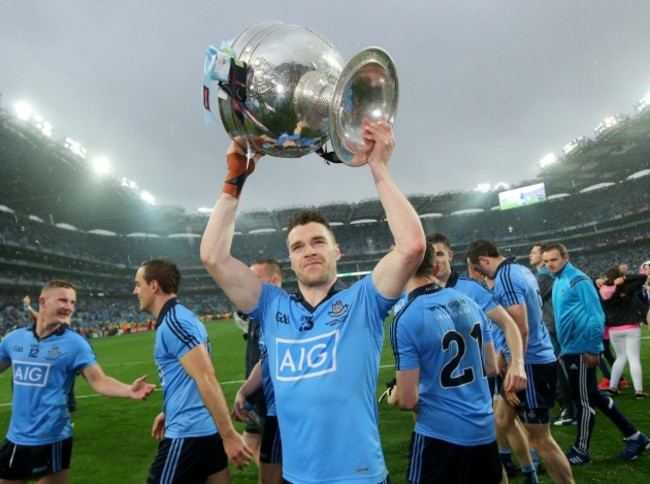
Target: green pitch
112, 441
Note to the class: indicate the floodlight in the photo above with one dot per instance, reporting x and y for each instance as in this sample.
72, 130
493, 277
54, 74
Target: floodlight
643, 103
205, 210
147, 197
483, 187
548, 160
101, 165
129, 183
23, 110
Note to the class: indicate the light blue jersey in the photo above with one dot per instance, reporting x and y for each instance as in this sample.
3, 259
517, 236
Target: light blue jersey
485, 298
178, 330
324, 364
43, 373
441, 332
514, 284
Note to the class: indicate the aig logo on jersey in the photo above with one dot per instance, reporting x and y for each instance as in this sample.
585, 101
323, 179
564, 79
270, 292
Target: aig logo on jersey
30, 373
306, 358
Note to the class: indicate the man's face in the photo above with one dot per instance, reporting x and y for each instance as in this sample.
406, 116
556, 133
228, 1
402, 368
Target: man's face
554, 261
143, 290
265, 274
57, 304
484, 267
535, 256
313, 254
442, 260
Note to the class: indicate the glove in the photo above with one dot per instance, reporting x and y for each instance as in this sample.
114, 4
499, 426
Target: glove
239, 167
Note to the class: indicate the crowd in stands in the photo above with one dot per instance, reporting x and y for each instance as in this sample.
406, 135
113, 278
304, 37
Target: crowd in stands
601, 228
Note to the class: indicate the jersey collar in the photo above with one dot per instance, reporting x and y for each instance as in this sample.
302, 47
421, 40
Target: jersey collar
453, 279
426, 289
165, 309
298, 297
509, 260
58, 331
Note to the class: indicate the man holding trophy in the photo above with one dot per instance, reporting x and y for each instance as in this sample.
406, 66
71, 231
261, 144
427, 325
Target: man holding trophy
324, 341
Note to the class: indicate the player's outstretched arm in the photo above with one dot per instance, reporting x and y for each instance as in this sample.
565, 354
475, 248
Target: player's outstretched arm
110, 387
252, 383
239, 283
393, 271
515, 378
198, 364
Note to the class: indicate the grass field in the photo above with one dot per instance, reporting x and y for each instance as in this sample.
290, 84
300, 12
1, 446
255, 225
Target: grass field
112, 442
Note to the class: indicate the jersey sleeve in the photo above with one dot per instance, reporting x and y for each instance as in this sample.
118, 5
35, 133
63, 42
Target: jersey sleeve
269, 292
4, 354
84, 355
181, 335
511, 291
402, 331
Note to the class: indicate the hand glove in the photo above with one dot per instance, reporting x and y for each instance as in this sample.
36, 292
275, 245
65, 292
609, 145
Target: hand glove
239, 167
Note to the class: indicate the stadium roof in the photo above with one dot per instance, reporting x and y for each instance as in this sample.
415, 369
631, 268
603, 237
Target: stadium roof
42, 178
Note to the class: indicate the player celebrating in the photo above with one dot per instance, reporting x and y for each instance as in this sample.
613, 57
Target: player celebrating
324, 342
46, 358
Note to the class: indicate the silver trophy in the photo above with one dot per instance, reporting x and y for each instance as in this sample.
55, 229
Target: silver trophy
289, 92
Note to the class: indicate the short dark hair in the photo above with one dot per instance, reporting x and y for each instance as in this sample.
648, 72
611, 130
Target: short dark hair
439, 239
482, 248
274, 265
556, 246
164, 272
308, 216
57, 284
426, 266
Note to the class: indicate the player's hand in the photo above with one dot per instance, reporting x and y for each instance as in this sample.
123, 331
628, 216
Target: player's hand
511, 398
239, 168
239, 411
140, 390
515, 379
158, 428
27, 301
590, 360
236, 449
378, 138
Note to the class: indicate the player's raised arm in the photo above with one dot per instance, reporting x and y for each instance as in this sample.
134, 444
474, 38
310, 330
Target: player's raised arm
233, 276
394, 269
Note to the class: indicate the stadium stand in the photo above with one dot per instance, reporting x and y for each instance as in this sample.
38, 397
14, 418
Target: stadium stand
601, 227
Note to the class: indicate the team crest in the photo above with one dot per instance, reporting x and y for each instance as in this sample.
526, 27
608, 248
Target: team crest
338, 309
54, 353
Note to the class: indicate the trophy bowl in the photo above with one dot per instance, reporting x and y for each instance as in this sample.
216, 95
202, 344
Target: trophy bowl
299, 93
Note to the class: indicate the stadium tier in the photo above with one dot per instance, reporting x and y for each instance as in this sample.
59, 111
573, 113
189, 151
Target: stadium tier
601, 227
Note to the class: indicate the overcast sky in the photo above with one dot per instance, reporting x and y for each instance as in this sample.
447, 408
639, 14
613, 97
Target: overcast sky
487, 88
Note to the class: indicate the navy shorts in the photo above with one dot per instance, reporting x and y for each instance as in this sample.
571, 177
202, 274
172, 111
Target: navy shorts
24, 462
538, 398
437, 461
188, 460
